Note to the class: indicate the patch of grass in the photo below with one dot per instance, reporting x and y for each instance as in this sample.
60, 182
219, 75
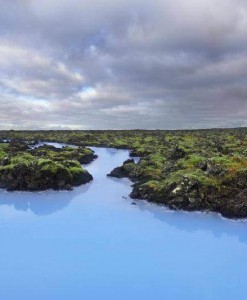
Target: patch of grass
3, 150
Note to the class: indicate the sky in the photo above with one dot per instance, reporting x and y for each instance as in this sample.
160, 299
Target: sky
123, 64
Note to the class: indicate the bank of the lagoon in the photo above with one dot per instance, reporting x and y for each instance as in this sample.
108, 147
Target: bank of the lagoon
37, 167
92, 243
191, 170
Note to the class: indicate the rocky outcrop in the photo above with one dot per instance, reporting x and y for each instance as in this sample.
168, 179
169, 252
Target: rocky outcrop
87, 158
17, 145
118, 172
124, 170
129, 161
189, 194
39, 176
207, 187
44, 168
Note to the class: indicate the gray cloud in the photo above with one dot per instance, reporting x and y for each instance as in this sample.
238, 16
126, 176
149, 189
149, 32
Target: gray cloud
125, 64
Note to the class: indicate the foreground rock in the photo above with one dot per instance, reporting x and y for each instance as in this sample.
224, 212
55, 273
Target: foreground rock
207, 186
123, 171
43, 168
187, 194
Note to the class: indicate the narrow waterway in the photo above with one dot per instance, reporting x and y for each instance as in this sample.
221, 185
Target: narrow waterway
93, 243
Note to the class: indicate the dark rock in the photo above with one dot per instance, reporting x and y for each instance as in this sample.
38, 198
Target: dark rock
82, 178
215, 169
86, 159
32, 178
203, 165
177, 153
18, 146
118, 172
133, 153
128, 161
32, 142
5, 161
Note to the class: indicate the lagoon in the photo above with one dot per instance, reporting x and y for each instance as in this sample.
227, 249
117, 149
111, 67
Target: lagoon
93, 243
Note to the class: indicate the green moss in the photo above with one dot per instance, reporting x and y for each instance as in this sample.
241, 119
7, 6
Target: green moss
47, 165
43, 162
152, 184
3, 150
191, 161
24, 158
75, 170
66, 153
71, 163
203, 179
222, 160
196, 175
7, 167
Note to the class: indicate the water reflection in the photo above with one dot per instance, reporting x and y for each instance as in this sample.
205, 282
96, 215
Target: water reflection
195, 221
112, 151
41, 203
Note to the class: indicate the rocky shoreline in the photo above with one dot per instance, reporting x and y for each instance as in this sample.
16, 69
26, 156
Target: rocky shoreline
187, 193
26, 169
204, 170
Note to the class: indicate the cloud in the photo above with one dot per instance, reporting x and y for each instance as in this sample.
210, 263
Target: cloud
126, 64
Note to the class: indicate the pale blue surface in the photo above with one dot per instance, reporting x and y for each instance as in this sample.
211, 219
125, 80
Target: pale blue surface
57, 145
93, 244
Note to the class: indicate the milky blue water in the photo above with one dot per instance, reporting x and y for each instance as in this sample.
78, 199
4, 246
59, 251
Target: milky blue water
57, 145
92, 243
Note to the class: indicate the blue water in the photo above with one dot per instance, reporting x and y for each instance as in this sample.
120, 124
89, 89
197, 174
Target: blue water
92, 243
57, 145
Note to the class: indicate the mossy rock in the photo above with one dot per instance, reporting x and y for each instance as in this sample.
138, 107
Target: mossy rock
25, 171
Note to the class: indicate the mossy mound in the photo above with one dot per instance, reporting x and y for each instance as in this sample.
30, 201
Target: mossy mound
41, 169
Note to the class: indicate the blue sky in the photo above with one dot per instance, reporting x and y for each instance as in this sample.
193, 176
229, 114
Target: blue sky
123, 64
